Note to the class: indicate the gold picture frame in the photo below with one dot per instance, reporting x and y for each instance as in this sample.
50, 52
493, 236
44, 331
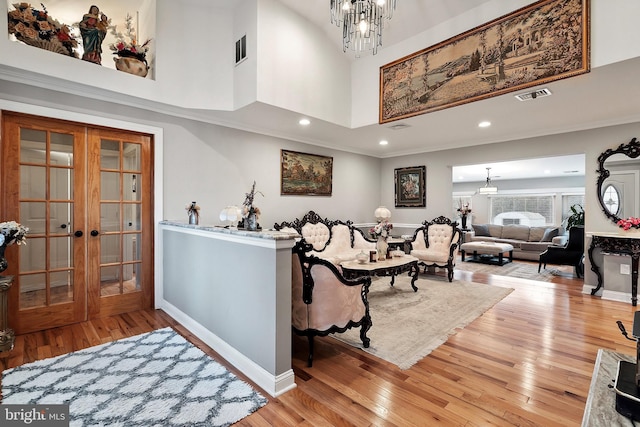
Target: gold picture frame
305, 174
410, 187
545, 41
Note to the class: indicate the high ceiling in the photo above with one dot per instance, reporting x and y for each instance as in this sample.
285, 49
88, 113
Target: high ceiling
599, 98
591, 100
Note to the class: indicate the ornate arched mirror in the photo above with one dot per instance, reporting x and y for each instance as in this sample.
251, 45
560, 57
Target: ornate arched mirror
619, 181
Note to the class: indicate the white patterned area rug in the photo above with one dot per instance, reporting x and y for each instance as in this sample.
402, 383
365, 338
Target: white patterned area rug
153, 379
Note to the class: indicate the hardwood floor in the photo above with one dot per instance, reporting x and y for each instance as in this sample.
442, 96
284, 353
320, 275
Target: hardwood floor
527, 361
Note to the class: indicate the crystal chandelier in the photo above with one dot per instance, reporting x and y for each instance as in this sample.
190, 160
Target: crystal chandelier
362, 22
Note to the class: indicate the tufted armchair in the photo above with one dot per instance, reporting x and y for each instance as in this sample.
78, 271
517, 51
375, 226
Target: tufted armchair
436, 244
323, 301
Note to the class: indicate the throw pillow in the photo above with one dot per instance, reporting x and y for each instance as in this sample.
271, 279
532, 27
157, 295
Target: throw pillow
549, 234
481, 229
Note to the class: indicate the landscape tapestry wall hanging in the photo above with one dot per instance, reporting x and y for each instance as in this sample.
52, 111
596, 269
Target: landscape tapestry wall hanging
410, 184
305, 174
539, 43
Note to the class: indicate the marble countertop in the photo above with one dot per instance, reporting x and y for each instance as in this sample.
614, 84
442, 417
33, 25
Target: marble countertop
261, 234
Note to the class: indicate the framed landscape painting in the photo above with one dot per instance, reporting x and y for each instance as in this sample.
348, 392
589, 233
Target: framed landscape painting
410, 186
545, 41
305, 174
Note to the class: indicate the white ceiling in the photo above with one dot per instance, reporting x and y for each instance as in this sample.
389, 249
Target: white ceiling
599, 98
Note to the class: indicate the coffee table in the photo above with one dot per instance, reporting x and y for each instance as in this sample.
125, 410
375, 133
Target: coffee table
490, 252
389, 267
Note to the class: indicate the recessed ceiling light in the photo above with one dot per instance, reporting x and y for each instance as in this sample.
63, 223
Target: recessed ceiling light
384, 142
304, 122
484, 124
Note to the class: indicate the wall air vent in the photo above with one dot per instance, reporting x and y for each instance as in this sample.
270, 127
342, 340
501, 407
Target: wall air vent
241, 49
533, 95
399, 126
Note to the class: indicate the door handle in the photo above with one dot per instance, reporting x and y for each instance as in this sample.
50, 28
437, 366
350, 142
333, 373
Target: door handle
94, 233
78, 233
63, 226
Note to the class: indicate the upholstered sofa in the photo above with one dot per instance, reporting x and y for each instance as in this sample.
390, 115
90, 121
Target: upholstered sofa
528, 242
333, 240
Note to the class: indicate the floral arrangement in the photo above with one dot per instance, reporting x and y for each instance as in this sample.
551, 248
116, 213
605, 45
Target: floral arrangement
381, 229
11, 232
36, 28
629, 223
464, 209
248, 206
126, 44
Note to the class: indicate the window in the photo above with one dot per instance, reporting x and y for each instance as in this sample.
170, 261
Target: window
532, 210
569, 200
241, 49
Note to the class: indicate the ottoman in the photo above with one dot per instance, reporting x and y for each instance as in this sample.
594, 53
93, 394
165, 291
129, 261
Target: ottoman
488, 252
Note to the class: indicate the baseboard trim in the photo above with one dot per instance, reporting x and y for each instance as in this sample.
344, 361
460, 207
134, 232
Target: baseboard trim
275, 385
616, 296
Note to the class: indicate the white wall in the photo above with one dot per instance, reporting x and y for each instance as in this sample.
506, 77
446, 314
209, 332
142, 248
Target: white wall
216, 166
439, 187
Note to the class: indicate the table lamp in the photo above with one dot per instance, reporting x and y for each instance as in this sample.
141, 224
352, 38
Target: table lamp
382, 214
231, 214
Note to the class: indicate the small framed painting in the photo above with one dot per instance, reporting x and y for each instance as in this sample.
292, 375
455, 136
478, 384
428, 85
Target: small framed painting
305, 174
410, 186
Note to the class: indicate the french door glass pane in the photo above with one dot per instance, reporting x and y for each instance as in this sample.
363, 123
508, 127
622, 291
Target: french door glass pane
60, 252
33, 146
110, 248
33, 290
33, 182
132, 277
131, 187
109, 154
131, 247
61, 149
61, 286
110, 280
132, 217
33, 255
109, 217
131, 157
61, 184
34, 216
61, 218
109, 186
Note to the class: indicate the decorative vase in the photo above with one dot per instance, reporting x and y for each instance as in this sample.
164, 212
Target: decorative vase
132, 66
252, 221
463, 218
382, 247
362, 257
3, 261
194, 215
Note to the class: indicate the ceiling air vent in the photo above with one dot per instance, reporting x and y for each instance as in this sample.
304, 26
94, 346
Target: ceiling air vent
399, 126
533, 95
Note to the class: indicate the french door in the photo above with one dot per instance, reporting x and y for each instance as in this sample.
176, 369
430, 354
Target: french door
85, 194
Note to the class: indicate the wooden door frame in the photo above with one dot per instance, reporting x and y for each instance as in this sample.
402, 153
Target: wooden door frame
155, 179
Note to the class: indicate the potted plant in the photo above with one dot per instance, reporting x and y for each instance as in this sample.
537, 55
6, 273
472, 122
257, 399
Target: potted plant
576, 218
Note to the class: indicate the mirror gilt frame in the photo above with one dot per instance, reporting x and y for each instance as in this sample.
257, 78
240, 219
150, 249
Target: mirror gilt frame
631, 150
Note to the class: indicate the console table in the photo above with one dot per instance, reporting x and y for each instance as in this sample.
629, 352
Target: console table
617, 244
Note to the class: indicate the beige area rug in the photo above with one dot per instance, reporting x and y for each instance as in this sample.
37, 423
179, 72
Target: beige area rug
409, 325
518, 269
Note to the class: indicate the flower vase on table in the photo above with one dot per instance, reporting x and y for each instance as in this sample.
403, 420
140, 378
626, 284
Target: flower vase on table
463, 219
250, 212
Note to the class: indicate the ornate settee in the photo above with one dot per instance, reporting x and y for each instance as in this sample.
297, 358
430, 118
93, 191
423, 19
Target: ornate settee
333, 240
